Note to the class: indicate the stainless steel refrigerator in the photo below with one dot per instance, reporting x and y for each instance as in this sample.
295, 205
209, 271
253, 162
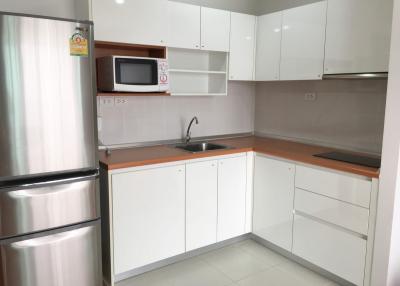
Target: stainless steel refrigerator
49, 196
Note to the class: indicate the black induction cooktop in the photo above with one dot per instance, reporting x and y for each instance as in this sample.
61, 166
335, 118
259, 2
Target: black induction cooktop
352, 158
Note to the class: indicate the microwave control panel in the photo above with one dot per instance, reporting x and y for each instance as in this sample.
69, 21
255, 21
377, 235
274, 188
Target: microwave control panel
163, 73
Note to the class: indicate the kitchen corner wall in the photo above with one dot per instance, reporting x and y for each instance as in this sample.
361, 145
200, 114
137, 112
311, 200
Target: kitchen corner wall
145, 119
347, 114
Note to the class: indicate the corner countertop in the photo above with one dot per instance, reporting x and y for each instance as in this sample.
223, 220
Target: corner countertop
294, 151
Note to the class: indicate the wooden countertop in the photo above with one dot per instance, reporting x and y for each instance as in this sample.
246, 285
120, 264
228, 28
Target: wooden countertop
140, 156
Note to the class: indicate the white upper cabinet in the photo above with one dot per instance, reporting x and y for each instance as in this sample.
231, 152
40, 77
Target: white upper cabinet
232, 182
303, 42
195, 27
268, 57
273, 201
358, 36
183, 25
133, 21
242, 46
201, 204
215, 29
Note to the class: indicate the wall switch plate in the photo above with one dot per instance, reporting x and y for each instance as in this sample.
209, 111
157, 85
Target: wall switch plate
312, 96
107, 101
121, 100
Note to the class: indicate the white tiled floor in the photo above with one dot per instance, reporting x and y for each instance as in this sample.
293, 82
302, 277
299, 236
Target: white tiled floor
246, 263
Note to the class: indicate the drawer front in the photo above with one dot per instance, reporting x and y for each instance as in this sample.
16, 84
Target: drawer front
338, 186
349, 216
66, 258
34, 209
336, 251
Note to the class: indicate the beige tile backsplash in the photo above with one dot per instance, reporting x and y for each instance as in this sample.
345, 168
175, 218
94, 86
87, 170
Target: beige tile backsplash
347, 113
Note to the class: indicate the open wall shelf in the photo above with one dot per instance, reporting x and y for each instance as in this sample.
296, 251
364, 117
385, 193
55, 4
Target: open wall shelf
197, 72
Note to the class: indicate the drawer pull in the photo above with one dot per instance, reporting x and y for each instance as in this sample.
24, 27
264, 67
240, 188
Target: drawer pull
299, 213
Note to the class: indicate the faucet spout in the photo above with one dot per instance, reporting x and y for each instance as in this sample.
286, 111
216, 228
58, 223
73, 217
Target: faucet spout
188, 132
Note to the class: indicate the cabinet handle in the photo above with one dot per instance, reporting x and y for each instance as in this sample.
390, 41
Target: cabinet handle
197, 46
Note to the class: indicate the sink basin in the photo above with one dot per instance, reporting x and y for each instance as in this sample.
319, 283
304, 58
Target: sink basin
201, 147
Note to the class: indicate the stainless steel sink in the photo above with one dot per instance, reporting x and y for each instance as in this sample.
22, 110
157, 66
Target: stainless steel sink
201, 147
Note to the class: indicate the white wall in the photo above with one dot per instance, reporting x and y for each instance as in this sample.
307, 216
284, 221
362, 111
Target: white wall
242, 6
347, 114
70, 9
145, 119
386, 266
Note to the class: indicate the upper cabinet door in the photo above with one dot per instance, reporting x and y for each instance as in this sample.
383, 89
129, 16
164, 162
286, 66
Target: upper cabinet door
134, 21
215, 29
243, 34
303, 42
184, 25
268, 58
358, 36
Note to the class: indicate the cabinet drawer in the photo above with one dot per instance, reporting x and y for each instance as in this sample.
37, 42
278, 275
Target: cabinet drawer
338, 186
349, 216
336, 251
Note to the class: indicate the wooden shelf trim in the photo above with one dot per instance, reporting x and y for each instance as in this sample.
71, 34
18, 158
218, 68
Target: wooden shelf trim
133, 94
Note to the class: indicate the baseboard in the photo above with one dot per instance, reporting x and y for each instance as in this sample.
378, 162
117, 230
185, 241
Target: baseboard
179, 258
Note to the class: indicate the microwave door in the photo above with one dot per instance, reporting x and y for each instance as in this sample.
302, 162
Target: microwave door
136, 75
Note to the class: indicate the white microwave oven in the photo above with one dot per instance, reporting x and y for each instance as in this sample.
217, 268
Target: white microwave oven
132, 74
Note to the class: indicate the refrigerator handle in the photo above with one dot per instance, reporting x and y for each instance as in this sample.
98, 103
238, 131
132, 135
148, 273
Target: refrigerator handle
50, 182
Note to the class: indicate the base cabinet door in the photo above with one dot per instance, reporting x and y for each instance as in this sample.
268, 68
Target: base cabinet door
232, 179
273, 201
201, 204
335, 250
148, 216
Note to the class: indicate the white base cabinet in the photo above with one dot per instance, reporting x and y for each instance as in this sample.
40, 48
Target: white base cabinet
273, 201
232, 178
337, 251
148, 216
159, 211
201, 204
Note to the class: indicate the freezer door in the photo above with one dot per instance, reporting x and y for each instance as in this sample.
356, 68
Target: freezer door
67, 258
35, 208
46, 98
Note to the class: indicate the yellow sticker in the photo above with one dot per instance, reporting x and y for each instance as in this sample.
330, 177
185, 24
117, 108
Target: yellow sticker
78, 45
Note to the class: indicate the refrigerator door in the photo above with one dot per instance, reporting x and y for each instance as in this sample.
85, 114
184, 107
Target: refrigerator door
67, 258
47, 111
40, 207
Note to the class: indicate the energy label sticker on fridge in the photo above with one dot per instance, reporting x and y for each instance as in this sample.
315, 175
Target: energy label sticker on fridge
78, 45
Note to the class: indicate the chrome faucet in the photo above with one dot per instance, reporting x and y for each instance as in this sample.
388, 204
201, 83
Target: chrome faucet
188, 132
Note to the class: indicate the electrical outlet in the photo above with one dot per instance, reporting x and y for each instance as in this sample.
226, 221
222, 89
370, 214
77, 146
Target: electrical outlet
107, 101
312, 96
121, 100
